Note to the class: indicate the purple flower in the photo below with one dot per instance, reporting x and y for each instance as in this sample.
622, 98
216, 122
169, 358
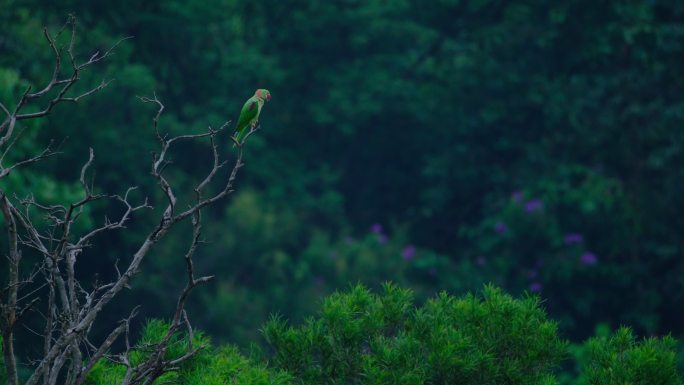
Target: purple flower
517, 196
376, 228
481, 261
408, 252
588, 258
535, 287
573, 239
501, 227
534, 205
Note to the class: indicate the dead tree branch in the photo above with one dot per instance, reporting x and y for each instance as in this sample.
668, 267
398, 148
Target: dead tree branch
68, 309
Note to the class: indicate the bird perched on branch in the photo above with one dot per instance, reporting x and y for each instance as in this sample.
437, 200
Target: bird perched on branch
249, 116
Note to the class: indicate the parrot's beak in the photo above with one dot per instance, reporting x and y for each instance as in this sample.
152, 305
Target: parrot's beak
268, 97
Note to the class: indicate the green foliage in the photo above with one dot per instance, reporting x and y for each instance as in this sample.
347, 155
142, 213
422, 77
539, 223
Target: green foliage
210, 366
104, 373
620, 359
225, 365
154, 331
359, 337
364, 338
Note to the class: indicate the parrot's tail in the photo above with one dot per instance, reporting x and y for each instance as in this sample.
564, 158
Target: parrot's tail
238, 138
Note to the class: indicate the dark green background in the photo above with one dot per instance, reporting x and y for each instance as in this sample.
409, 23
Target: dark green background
438, 120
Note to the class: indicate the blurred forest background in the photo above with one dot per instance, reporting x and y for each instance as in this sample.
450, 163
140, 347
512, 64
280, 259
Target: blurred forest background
438, 144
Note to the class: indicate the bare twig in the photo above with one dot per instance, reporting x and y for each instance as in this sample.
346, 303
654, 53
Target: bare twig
70, 311
9, 308
63, 84
46, 153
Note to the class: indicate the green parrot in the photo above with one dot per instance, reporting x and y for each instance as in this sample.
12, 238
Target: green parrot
249, 116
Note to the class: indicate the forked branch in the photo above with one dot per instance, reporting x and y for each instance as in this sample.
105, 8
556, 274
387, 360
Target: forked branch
68, 309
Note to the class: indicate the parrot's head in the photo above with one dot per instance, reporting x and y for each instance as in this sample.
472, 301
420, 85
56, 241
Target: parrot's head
263, 94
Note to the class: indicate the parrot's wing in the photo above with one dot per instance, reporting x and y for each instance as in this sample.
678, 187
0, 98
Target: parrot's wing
249, 111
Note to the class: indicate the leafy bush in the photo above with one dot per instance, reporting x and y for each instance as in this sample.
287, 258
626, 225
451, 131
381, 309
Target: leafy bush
620, 359
210, 366
225, 365
364, 338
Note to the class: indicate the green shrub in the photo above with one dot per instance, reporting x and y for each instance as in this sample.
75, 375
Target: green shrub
620, 359
108, 373
225, 365
210, 366
364, 338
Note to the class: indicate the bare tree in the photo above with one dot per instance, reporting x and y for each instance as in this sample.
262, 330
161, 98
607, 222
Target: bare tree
69, 309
